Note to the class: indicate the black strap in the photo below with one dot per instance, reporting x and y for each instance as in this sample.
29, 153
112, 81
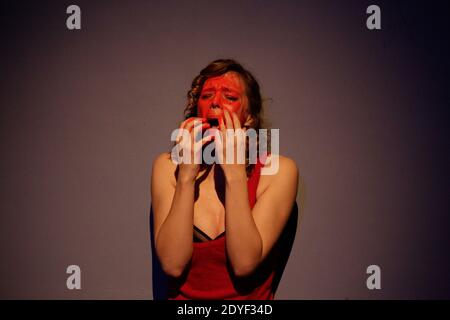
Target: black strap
200, 236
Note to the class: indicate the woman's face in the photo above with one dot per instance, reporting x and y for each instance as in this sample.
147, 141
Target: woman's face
223, 92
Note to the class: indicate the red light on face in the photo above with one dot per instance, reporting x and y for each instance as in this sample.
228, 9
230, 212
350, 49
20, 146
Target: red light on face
225, 92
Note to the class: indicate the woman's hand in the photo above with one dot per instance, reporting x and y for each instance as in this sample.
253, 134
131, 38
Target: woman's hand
231, 147
188, 169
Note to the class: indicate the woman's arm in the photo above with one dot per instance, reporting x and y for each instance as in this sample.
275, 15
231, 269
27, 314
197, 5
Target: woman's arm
173, 201
251, 234
173, 212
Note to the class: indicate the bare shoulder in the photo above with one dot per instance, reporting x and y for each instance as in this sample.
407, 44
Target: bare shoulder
164, 167
162, 159
287, 165
278, 166
278, 170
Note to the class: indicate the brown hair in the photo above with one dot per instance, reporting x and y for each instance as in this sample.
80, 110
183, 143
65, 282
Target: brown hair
255, 103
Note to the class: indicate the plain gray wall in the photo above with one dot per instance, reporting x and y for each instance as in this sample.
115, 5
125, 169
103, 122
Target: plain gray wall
84, 113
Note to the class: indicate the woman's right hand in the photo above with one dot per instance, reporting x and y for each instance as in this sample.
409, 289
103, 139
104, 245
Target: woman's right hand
194, 145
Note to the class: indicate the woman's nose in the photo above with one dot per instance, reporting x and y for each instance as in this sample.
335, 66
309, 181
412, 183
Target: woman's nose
216, 102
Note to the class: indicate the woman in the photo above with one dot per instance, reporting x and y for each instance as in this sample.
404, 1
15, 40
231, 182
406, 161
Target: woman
217, 228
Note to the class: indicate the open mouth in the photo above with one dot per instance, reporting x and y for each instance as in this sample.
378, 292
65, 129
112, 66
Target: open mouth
213, 122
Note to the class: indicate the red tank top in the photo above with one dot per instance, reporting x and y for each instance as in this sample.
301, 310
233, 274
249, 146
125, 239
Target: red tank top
209, 275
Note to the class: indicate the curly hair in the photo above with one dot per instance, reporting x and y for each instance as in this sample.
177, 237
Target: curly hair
255, 102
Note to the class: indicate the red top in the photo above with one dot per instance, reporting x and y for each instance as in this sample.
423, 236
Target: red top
209, 275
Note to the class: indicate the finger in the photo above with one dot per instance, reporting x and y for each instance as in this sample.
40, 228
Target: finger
228, 121
199, 144
222, 126
191, 124
183, 124
190, 121
236, 121
181, 129
210, 131
181, 132
200, 132
207, 139
221, 139
183, 136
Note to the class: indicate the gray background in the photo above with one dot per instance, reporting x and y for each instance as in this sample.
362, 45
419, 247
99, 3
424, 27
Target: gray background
363, 113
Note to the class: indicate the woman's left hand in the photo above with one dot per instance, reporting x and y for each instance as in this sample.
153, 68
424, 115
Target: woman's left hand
230, 148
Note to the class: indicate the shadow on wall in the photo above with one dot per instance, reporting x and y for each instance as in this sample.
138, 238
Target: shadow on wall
284, 245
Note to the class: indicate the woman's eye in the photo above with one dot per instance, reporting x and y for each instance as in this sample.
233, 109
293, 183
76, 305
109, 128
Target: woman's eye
205, 96
231, 98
